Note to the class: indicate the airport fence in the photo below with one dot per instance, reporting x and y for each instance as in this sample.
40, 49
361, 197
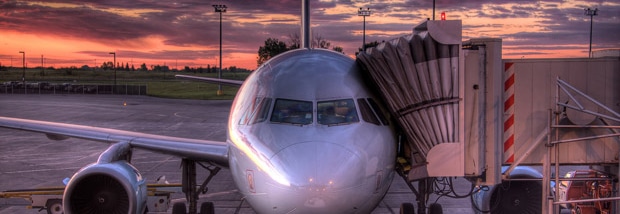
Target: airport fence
73, 89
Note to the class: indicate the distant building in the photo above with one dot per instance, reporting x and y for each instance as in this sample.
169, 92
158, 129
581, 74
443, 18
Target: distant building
612, 53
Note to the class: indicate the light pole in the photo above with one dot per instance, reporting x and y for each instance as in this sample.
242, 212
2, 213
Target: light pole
114, 65
433, 10
42, 67
24, 66
220, 8
591, 13
364, 13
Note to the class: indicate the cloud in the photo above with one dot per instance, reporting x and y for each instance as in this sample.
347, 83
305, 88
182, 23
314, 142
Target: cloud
189, 29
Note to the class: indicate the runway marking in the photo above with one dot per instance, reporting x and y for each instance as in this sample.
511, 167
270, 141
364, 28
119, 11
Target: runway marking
178, 114
215, 194
159, 163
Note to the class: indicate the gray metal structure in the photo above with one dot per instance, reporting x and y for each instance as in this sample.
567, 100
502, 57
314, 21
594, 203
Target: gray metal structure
542, 112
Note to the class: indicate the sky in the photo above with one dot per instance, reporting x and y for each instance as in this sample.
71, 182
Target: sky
186, 32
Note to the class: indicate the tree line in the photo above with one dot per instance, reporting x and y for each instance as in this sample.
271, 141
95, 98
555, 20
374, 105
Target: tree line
271, 48
165, 68
274, 46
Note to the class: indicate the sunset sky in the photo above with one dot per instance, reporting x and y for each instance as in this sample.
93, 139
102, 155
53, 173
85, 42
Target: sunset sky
186, 33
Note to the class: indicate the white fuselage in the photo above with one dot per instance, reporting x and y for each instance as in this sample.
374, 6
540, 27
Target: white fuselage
306, 136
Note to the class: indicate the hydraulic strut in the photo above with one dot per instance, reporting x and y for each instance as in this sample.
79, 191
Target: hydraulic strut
189, 184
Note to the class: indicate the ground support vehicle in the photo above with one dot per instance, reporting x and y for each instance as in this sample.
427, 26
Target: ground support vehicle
585, 188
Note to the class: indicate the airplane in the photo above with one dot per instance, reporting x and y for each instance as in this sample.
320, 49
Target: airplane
306, 134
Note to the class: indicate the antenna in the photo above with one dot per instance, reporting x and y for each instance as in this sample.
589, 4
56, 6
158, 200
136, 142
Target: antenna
305, 24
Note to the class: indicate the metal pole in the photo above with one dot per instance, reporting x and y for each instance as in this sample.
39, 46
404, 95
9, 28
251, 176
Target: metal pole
364, 13
433, 9
590, 49
305, 24
114, 65
220, 8
591, 13
114, 73
24, 69
219, 74
42, 67
364, 35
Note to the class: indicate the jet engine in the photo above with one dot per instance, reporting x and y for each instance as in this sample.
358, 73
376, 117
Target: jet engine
512, 196
112, 185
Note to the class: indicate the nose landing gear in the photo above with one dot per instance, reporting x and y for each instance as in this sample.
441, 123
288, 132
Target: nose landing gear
192, 190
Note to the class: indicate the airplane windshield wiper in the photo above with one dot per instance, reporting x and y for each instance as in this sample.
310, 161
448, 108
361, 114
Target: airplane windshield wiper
290, 123
339, 124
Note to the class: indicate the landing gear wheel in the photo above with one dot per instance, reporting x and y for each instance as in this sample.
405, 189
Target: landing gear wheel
207, 208
435, 208
407, 208
179, 208
54, 206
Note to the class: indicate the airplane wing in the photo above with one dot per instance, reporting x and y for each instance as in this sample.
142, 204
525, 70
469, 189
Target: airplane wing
212, 80
201, 150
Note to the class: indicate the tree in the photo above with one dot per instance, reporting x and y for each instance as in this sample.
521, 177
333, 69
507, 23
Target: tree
143, 67
317, 42
232, 69
272, 48
295, 42
107, 65
368, 45
320, 42
338, 49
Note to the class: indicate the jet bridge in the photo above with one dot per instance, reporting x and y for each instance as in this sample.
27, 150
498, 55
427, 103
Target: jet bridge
419, 77
466, 112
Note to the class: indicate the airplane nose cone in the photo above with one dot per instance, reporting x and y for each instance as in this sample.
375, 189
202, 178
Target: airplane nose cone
324, 178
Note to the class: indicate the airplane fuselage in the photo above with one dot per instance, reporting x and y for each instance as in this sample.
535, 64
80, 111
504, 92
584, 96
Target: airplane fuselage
306, 135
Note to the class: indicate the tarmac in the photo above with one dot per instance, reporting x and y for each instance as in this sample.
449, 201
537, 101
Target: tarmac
30, 160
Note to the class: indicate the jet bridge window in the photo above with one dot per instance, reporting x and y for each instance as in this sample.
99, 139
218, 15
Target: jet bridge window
292, 111
337, 112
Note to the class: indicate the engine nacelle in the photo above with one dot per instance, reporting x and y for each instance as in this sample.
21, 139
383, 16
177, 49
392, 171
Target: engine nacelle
111, 185
512, 196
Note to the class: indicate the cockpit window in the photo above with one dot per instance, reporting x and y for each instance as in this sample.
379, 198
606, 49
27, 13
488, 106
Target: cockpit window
378, 111
367, 113
292, 111
337, 112
263, 111
257, 112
